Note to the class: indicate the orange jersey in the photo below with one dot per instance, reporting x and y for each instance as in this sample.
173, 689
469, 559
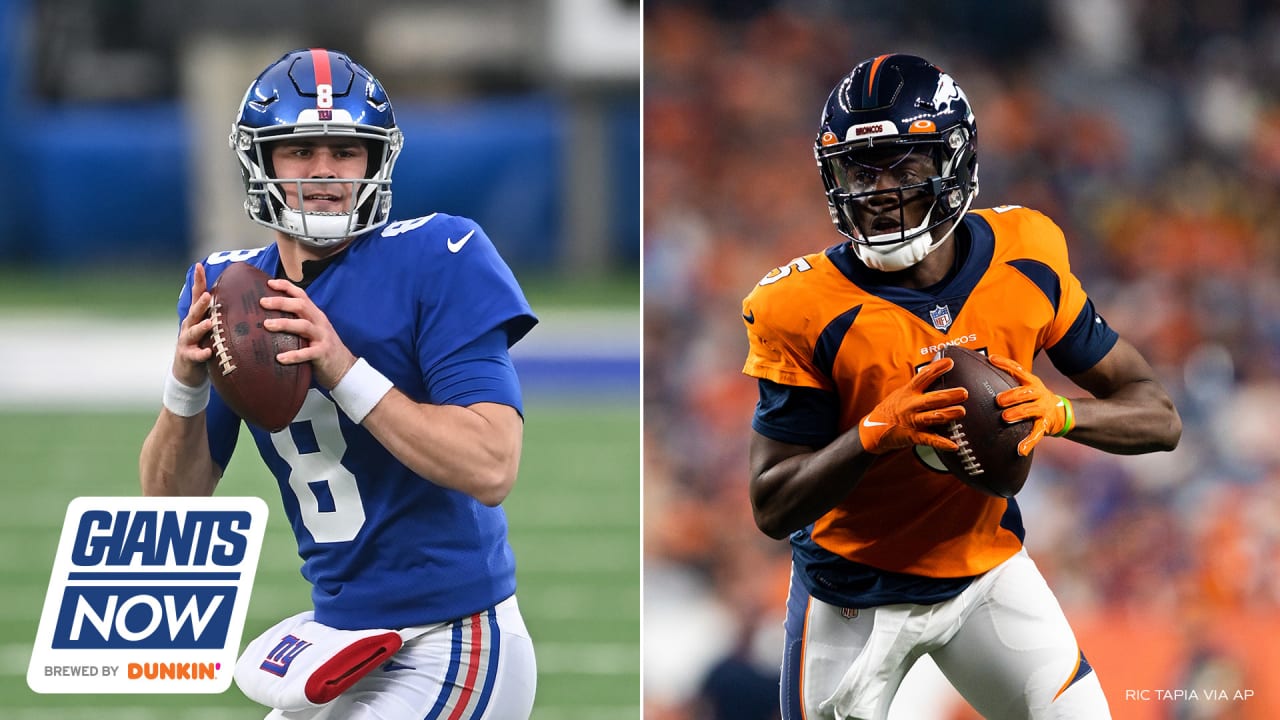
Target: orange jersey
823, 322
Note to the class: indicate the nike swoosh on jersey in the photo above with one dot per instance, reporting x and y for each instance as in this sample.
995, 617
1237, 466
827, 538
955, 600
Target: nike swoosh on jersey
392, 665
456, 245
749, 316
868, 422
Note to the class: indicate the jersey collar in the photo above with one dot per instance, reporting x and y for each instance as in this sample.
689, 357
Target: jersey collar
975, 245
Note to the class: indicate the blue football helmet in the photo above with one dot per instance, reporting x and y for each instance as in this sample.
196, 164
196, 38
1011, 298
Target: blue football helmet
314, 93
890, 108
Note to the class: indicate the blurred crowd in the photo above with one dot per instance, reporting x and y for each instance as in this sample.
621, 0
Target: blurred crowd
1150, 131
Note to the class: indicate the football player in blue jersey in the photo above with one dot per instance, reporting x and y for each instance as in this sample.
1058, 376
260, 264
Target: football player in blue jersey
393, 472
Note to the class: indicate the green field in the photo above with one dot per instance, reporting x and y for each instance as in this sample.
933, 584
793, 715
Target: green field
575, 527
152, 292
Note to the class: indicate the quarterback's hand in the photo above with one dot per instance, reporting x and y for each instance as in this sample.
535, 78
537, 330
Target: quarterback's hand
1031, 400
909, 414
329, 357
189, 358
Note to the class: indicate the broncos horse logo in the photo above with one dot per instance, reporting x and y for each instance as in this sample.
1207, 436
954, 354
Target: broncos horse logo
947, 93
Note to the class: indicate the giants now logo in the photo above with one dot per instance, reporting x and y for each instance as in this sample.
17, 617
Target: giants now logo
159, 582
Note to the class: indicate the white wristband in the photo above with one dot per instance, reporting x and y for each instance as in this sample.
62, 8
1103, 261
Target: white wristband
184, 400
360, 390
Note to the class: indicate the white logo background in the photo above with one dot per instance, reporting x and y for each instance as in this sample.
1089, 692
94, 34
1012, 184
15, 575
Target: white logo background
120, 577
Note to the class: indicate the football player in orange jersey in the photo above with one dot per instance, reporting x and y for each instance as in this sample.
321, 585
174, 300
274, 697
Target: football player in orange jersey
892, 557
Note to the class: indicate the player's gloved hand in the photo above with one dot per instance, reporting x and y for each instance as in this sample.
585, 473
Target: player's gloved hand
909, 415
1031, 400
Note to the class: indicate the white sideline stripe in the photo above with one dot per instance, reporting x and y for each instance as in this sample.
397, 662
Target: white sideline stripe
69, 361
75, 361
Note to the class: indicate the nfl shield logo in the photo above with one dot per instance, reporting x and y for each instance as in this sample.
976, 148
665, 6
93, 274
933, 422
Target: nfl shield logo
849, 613
941, 317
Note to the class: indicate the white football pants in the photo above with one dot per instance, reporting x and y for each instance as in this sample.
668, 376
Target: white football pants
1003, 642
478, 668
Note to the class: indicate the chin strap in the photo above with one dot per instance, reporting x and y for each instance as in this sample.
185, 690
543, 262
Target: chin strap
908, 252
900, 255
317, 229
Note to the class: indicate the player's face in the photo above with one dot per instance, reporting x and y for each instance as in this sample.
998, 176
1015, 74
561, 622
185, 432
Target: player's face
317, 160
884, 172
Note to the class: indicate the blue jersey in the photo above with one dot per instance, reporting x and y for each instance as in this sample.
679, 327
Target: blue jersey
430, 304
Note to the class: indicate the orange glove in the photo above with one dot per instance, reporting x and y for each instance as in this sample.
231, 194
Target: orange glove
1031, 400
907, 416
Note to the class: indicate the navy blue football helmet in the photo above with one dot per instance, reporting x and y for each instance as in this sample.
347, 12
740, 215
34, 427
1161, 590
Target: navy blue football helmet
314, 93
887, 110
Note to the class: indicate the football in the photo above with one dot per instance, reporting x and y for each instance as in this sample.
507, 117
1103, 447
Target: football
243, 367
988, 458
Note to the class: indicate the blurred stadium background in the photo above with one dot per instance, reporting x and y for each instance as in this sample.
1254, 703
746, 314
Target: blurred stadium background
521, 115
1151, 132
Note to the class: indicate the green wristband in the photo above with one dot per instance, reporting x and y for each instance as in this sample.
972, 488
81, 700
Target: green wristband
1069, 424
